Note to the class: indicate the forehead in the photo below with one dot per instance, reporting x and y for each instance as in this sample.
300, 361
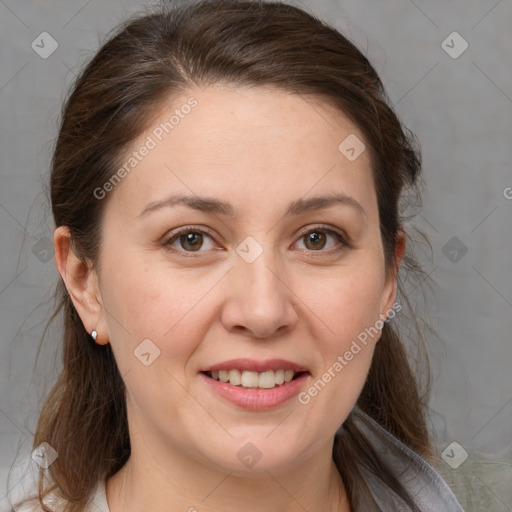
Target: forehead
240, 144
254, 115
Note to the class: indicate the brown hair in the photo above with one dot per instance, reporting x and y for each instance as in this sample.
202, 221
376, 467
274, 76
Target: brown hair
159, 55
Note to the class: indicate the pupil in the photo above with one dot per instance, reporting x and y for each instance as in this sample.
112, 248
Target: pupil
191, 239
314, 237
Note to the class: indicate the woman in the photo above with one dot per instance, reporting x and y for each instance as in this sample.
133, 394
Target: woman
225, 187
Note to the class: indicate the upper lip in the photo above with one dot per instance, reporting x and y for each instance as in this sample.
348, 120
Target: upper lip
255, 366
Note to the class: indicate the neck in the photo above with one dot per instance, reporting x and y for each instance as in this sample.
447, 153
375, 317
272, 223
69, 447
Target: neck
150, 481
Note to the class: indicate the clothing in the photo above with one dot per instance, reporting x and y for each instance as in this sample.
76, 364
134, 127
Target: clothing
425, 485
97, 502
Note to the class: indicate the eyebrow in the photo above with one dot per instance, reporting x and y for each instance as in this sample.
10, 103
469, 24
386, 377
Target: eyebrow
215, 206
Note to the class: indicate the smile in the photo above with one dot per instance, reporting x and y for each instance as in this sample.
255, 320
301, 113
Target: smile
254, 380
255, 385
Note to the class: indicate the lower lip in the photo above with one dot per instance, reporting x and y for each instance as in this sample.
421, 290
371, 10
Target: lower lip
256, 399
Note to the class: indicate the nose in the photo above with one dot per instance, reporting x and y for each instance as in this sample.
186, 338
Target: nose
260, 302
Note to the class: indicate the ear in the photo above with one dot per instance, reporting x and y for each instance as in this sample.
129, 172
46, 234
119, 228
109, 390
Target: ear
391, 285
81, 282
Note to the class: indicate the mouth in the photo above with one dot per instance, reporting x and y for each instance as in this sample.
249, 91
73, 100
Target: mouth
246, 379
255, 385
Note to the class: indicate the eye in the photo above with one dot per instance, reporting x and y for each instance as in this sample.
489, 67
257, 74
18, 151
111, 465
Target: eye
315, 239
189, 238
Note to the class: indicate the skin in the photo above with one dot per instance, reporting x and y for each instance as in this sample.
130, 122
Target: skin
258, 149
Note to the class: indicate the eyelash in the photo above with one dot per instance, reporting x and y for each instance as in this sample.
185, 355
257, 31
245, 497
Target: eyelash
343, 244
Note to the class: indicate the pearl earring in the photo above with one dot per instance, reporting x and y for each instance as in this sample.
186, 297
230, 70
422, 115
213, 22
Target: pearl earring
94, 335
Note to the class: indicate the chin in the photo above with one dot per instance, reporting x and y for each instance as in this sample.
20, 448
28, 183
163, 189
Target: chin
255, 454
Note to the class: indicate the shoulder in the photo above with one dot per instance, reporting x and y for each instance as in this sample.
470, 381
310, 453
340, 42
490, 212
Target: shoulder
31, 504
25, 507
97, 502
423, 482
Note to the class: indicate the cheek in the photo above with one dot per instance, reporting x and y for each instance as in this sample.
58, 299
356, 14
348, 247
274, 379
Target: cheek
348, 310
155, 303
347, 303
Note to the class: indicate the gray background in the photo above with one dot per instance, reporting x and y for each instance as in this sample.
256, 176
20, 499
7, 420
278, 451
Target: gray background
461, 110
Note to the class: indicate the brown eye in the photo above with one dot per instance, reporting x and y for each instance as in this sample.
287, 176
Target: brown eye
190, 240
316, 239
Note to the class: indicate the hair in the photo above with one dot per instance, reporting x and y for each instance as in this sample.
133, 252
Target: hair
155, 56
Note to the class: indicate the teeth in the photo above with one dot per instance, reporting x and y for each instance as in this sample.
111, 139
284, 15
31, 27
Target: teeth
235, 377
248, 379
267, 380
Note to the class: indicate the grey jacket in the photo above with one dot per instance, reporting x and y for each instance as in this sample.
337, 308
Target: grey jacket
424, 483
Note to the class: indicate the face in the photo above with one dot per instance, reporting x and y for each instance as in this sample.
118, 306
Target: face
253, 277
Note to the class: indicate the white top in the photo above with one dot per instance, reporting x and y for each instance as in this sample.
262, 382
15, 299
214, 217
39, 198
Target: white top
425, 485
97, 502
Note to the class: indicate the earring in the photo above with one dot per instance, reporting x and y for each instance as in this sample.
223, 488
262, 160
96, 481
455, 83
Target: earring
94, 335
